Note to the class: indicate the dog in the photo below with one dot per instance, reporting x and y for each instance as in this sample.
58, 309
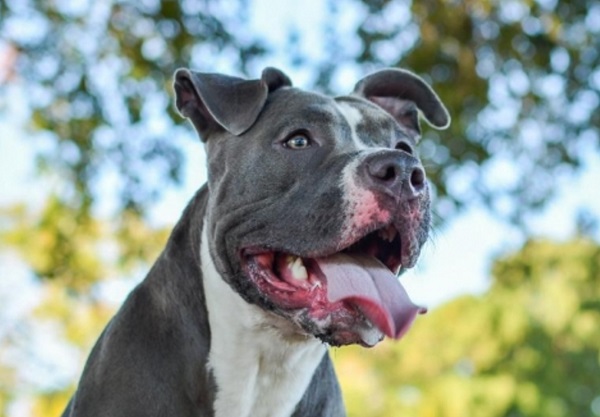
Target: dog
312, 207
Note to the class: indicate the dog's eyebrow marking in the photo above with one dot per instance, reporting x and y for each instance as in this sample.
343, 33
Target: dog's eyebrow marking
354, 117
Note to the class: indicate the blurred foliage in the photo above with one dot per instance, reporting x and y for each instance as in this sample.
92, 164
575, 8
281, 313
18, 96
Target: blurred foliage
529, 347
97, 73
61, 243
81, 254
58, 242
521, 79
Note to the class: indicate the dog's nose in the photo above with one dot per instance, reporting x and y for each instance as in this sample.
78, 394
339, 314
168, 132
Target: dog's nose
395, 173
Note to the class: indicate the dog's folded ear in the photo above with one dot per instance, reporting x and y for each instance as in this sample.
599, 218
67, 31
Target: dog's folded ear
217, 101
401, 93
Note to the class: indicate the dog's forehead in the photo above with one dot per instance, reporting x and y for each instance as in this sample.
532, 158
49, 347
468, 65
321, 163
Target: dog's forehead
294, 103
367, 123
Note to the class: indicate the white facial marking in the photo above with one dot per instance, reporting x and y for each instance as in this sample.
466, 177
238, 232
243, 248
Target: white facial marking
361, 206
353, 117
261, 364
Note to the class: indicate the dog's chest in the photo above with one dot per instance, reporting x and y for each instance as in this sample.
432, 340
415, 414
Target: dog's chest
258, 371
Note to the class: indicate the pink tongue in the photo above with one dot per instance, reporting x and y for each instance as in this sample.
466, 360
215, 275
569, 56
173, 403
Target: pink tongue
366, 283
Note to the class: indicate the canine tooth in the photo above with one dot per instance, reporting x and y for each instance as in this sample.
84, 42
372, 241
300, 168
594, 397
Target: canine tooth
299, 270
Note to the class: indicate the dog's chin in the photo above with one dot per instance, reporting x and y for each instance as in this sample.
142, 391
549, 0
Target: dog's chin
350, 296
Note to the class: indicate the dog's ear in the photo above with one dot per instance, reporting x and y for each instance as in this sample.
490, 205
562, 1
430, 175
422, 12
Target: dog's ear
216, 101
401, 93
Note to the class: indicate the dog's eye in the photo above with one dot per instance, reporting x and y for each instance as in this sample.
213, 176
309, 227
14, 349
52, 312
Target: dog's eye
297, 141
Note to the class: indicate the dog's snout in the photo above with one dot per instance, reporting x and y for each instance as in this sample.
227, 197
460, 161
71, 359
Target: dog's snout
395, 173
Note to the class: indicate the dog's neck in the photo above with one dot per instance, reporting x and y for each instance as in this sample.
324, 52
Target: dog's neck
261, 365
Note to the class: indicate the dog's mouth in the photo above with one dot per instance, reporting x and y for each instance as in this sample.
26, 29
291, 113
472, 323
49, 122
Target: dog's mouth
350, 296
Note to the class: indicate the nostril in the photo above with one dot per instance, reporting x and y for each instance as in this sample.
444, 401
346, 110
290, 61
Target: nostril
403, 146
383, 172
417, 178
389, 175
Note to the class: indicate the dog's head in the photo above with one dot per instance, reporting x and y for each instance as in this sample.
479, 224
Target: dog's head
316, 203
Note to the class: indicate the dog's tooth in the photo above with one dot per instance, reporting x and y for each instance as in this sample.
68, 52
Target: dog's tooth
289, 260
299, 270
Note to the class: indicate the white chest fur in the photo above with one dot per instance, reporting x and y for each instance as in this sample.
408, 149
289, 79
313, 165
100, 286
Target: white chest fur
261, 368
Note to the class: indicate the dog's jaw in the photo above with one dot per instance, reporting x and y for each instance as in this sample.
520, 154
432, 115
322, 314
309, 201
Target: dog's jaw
261, 362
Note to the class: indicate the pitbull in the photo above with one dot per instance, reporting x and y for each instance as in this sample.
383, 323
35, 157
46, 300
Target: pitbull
312, 208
